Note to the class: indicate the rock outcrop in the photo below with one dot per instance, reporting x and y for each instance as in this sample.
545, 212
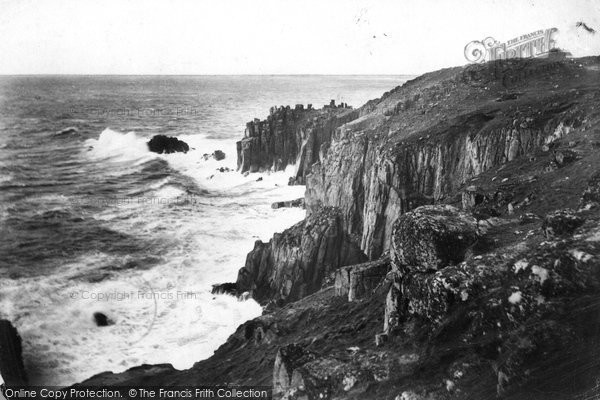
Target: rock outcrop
420, 142
296, 262
11, 356
289, 136
167, 144
510, 310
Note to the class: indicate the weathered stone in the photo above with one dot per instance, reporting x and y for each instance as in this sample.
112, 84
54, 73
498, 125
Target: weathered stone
295, 263
358, 281
218, 155
12, 369
167, 144
291, 203
289, 136
591, 194
432, 237
229, 288
561, 222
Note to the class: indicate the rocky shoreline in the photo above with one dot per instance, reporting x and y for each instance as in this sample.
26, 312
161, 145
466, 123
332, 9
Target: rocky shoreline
450, 248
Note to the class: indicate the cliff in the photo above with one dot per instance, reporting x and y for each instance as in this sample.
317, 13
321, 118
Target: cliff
290, 136
474, 192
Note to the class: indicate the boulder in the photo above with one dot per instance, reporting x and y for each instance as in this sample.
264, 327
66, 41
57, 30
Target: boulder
167, 144
561, 223
218, 155
12, 368
286, 379
291, 203
102, 320
359, 281
432, 237
591, 194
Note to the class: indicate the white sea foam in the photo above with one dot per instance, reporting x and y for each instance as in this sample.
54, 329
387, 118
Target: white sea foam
162, 314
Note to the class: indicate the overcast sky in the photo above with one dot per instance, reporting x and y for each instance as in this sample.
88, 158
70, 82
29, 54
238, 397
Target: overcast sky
271, 36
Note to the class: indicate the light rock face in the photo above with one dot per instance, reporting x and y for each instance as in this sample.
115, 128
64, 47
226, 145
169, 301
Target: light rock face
295, 263
432, 237
289, 136
359, 281
413, 147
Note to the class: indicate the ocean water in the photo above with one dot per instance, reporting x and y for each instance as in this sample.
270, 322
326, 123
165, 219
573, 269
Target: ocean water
91, 221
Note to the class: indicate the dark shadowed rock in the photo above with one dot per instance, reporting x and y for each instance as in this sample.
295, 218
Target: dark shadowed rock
294, 263
11, 357
167, 144
432, 237
591, 194
287, 204
218, 155
229, 288
561, 222
289, 136
102, 320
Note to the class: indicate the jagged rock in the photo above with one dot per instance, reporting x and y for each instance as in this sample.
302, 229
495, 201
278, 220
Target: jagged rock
286, 204
218, 155
528, 218
288, 136
561, 222
229, 288
472, 196
591, 194
286, 377
294, 263
167, 145
102, 320
564, 157
358, 281
12, 369
432, 237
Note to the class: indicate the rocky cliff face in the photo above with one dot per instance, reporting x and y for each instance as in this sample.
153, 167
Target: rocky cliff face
295, 263
419, 143
499, 299
290, 136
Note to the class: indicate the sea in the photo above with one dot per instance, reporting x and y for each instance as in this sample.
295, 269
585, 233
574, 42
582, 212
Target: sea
92, 222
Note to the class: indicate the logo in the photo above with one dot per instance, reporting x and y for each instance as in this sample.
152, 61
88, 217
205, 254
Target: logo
535, 44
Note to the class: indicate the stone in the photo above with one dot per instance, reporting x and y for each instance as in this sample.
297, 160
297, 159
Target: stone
218, 155
167, 145
591, 194
229, 288
432, 237
294, 264
288, 204
561, 223
12, 368
102, 320
359, 281
381, 339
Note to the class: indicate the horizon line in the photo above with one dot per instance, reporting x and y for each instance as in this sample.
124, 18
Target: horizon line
86, 74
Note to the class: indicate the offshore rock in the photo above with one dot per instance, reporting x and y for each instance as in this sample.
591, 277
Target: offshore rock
432, 237
167, 144
294, 263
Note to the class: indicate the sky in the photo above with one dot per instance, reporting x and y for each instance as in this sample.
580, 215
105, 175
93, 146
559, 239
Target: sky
272, 36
